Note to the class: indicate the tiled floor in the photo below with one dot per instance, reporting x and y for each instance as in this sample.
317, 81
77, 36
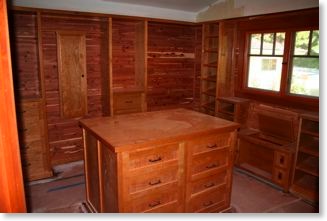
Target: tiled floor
66, 193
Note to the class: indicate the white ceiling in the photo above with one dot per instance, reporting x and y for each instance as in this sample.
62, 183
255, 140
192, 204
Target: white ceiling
179, 10
183, 5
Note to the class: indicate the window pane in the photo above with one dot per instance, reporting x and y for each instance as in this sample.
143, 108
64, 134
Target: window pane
305, 76
265, 72
315, 43
268, 41
279, 45
255, 44
301, 43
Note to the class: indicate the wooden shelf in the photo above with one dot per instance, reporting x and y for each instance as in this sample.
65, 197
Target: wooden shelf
306, 185
309, 145
209, 106
209, 78
306, 174
312, 133
309, 165
212, 36
209, 68
212, 64
210, 92
211, 50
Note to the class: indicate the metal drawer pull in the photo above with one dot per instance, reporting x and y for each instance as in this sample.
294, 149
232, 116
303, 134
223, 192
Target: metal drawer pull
155, 160
211, 166
154, 182
211, 146
208, 203
128, 102
209, 185
155, 203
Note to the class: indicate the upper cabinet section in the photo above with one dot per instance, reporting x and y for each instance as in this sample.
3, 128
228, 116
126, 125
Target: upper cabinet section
209, 69
24, 41
128, 54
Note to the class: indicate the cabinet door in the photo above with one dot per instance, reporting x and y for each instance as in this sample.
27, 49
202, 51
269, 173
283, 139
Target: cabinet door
72, 74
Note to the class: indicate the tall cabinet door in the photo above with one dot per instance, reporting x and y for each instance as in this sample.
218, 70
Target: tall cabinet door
72, 74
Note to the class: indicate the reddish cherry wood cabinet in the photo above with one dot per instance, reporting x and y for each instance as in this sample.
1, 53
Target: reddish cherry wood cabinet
164, 161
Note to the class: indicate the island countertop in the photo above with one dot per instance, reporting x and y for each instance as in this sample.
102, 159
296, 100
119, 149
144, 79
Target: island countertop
125, 131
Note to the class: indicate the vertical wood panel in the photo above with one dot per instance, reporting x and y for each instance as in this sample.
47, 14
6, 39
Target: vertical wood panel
171, 62
64, 134
12, 198
72, 74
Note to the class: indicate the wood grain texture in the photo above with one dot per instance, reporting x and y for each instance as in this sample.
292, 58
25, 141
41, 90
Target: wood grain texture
65, 137
24, 44
142, 128
171, 60
72, 74
157, 157
12, 198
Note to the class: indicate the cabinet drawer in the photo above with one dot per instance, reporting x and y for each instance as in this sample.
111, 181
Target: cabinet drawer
207, 200
128, 103
154, 200
282, 159
209, 161
153, 177
208, 182
280, 177
209, 143
153, 156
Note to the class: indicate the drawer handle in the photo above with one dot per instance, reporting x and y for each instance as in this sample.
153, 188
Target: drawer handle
280, 176
155, 203
208, 203
281, 160
155, 160
128, 102
212, 146
154, 182
209, 185
211, 166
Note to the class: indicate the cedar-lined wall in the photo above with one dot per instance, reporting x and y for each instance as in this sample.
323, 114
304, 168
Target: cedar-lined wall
123, 51
173, 64
25, 55
171, 60
65, 136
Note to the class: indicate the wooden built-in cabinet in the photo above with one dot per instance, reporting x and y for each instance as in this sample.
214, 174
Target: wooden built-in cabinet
209, 69
128, 65
233, 108
306, 168
268, 151
171, 161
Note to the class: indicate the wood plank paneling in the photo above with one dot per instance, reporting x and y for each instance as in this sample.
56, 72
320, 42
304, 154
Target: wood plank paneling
128, 53
65, 136
171, 60
12, 197
25, 54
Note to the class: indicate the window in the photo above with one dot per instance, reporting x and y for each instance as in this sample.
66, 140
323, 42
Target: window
266, 69
265, 61
304, 73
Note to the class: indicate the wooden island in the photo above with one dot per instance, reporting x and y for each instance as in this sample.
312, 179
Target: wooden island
164, 161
